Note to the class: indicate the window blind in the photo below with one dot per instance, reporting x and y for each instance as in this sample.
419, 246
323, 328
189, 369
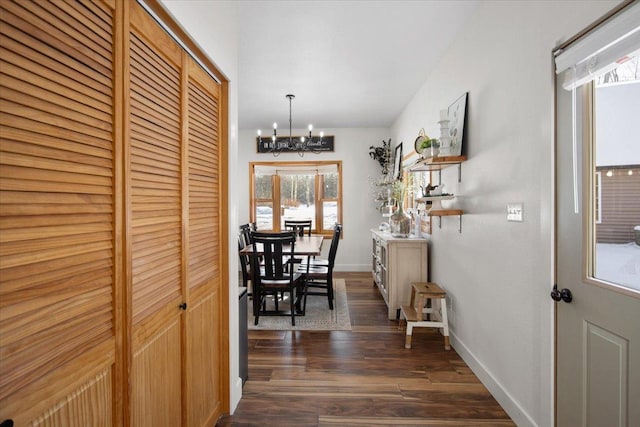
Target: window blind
288, 169
601, 50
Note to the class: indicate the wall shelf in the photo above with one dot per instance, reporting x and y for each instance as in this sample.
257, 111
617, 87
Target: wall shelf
447, 212
435, 198
437, 164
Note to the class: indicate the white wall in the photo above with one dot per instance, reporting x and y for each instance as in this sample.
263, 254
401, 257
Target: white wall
498, 274
359, 213
214, 26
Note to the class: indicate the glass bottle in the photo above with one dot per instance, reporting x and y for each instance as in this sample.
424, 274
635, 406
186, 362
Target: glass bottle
400, 222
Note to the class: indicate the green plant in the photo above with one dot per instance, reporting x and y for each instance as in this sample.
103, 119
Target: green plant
382, 155
428, 142
400, 187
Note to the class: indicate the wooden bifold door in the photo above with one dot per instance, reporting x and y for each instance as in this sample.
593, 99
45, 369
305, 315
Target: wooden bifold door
113, 296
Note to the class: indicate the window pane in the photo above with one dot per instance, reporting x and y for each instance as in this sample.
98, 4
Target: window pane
297, 193
617, 181
264, 187
329, 215
264, 216
330, 188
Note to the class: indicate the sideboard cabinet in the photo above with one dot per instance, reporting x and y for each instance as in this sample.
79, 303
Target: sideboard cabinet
395, 263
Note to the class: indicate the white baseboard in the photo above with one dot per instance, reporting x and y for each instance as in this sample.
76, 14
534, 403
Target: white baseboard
352, 267
504, 398
236, 395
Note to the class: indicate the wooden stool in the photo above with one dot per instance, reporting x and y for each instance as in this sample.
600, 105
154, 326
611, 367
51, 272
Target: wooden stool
413, 313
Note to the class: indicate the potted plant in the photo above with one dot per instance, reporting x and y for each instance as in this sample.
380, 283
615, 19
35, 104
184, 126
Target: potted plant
430, 146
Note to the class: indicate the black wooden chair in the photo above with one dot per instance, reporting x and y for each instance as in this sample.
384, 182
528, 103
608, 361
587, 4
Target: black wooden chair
321, 276
244, 264
275, 277
322, 262
245, 232
299, 226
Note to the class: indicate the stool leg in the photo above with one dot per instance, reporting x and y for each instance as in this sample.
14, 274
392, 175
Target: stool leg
445, 323
420, 307
407, 339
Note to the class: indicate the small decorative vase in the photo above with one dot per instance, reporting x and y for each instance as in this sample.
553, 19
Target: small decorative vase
400, 222
435, 150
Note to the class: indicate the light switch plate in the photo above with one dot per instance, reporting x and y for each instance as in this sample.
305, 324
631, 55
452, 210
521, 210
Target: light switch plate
515, 212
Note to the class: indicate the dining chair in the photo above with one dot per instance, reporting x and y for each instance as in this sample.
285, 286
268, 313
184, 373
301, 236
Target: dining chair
245, 232
274, 278
244, 240
321, 276
300, 226
322, 261
245, 268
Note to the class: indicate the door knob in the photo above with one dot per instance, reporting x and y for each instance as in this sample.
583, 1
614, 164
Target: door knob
561, 295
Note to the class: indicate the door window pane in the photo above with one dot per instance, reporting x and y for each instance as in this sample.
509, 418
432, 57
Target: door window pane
616, 191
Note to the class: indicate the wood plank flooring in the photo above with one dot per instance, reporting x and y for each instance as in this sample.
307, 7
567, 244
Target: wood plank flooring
363, 377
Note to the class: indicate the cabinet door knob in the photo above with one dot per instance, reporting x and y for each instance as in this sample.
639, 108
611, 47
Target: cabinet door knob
183, 306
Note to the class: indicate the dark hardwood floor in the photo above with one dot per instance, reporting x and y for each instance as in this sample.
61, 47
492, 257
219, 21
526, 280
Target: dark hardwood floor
363, 377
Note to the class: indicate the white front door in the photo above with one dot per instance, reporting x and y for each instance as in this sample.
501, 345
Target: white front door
598, 257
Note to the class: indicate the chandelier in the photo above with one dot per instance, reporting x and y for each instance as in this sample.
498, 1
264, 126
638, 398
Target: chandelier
279, 144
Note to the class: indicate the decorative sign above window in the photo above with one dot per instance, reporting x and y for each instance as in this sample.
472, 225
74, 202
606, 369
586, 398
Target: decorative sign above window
285, 144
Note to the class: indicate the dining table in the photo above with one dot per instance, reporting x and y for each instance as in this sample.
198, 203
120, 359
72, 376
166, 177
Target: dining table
304, 246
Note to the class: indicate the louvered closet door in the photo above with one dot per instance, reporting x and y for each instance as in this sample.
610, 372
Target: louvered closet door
155, 196
57, 346
203, 367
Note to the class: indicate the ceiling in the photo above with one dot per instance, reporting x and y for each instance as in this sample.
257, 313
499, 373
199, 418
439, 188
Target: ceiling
349, 63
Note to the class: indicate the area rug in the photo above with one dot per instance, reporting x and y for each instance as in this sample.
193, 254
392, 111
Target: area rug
318, 317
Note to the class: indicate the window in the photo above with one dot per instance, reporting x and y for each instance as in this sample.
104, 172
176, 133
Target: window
615, 191
296, 190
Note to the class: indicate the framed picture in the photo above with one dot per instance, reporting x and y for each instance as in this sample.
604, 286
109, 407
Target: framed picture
457, 114
397, 162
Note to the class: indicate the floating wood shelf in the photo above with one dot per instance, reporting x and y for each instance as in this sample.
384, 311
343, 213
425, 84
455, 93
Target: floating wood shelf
447, 212
435, 198
436, 163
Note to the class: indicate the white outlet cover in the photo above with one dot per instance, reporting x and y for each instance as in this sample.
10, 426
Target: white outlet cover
515, 212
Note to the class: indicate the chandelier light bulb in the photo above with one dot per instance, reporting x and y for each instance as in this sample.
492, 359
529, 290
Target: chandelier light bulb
310, 128
275, 125
302, 139
321, 135
259, 132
